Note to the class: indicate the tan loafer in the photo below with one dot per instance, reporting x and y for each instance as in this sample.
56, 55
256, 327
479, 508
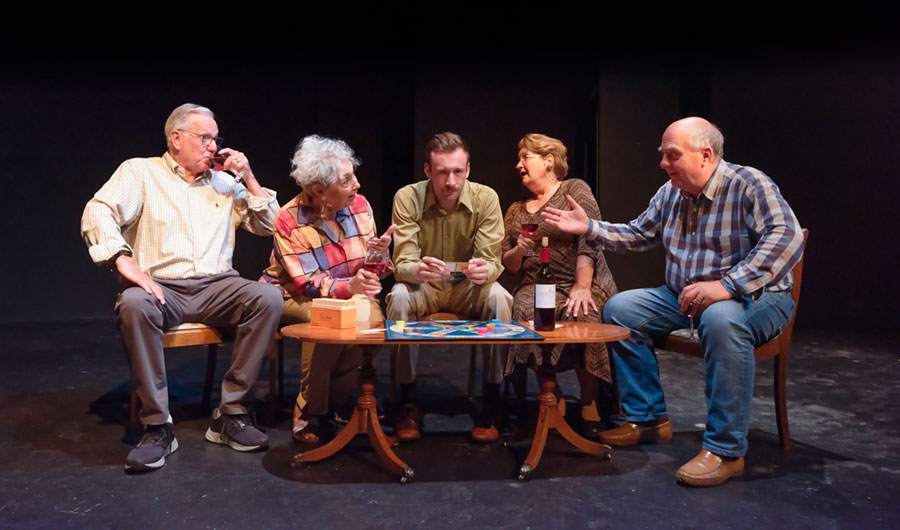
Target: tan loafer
409, 426
633, 434
709, 469
487, 434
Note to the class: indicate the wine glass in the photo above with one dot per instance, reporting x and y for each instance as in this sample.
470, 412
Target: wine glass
530, 224
688, 313
218, 160
376, 260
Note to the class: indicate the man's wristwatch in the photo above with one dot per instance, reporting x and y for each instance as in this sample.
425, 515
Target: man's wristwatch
111, 262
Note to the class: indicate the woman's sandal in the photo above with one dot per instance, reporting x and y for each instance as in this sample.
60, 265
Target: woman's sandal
307, 431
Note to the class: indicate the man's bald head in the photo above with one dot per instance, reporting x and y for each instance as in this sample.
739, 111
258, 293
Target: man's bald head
691, 149
700, 133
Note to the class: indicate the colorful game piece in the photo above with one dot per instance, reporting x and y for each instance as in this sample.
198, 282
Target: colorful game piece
491, 326
482, 331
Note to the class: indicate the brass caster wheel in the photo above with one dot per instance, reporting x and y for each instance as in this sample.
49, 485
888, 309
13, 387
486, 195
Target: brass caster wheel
524, 473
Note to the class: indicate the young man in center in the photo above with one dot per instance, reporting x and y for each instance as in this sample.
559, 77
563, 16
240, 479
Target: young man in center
447, 219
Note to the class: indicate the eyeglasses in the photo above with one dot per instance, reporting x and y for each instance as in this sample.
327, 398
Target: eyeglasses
205, 138
525, 156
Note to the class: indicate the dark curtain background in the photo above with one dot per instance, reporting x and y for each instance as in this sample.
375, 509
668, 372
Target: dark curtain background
822, 121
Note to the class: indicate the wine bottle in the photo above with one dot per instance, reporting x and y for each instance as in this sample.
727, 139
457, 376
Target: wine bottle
544, 293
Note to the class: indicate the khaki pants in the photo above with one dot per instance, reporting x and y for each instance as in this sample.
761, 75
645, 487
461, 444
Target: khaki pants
328, 372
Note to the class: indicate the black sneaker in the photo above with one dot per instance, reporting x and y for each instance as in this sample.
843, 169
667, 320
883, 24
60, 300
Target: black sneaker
157, 443
236, 431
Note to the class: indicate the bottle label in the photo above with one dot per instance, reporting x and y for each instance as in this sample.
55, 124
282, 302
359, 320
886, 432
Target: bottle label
545, 296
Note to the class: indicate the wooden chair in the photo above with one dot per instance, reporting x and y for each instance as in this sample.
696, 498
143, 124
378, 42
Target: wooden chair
194, 334
778, 348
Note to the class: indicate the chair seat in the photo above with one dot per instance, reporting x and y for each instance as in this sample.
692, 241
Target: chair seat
680, 341
443, 316
191, 334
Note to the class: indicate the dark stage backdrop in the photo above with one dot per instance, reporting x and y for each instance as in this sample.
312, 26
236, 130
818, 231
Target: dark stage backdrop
821, 123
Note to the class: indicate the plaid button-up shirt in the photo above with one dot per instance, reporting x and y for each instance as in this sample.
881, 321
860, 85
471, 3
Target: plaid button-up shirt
739, 230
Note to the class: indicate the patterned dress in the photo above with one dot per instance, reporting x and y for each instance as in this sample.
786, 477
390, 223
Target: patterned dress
564, 251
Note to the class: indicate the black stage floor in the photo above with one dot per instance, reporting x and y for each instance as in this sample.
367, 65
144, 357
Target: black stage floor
63, 442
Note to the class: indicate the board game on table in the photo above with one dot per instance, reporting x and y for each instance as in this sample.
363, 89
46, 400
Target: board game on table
443, 330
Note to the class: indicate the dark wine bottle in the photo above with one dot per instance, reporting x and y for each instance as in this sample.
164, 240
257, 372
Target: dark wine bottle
544, 293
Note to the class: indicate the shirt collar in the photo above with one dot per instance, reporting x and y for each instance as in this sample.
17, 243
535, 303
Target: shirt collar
178, 170
713, 185
307, 213
465, 197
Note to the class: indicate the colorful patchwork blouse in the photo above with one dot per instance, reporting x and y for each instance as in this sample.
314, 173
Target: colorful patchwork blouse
308, 261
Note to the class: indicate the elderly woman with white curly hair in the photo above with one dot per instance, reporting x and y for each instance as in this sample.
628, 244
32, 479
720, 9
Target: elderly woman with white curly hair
321, 239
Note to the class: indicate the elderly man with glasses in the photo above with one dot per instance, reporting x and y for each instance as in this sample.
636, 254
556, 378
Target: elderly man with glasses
166, 227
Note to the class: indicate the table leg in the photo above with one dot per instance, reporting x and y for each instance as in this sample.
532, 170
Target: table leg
550, 417
363, 421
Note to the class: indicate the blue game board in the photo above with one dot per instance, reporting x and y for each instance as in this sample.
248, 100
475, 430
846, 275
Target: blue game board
458, 330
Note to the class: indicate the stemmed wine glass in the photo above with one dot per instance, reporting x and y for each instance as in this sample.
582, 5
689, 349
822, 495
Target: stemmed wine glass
689, 312
529, 229
376, 260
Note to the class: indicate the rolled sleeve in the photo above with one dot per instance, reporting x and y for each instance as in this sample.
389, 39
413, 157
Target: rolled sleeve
261, 213
117, 204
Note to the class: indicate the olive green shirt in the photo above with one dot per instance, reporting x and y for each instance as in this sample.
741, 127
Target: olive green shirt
473, 230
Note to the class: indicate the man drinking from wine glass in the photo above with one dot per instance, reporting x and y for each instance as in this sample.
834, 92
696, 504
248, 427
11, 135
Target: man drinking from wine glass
447, 222
166, 227
731, 240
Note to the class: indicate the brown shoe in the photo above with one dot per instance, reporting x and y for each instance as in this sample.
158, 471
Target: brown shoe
708, 469
485, 434
633, 434
408, 426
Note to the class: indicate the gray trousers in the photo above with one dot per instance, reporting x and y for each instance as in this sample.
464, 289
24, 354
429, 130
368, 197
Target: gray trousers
225, 300
483, 302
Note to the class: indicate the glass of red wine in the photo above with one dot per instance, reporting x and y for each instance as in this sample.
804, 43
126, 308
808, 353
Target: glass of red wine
376, 261
375, 268
218, 161
529, 230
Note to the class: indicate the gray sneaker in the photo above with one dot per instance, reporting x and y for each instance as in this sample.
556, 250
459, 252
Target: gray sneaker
236, 431
157, 443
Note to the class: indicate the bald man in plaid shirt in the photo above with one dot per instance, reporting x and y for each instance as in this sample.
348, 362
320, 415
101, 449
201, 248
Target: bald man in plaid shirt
731, 241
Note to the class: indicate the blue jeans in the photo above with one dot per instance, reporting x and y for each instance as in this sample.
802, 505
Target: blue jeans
729, 331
